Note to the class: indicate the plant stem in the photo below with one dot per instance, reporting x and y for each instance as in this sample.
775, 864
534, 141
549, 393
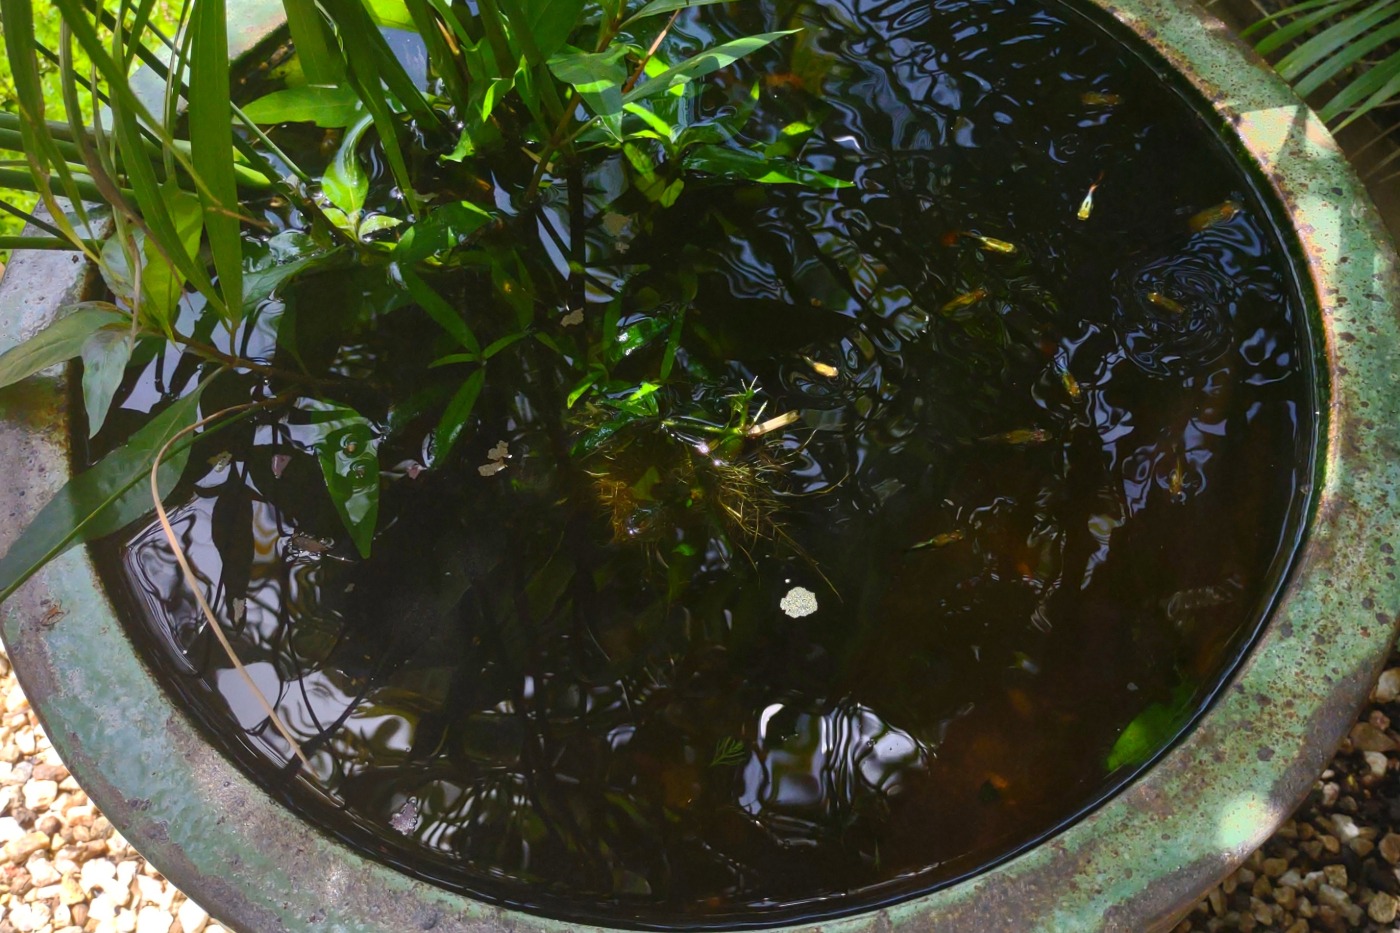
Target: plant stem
45, 242
214, 354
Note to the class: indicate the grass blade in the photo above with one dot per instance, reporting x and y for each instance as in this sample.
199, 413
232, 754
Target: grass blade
1337, 37
1348, 57
1365, 93
312, 40
703, 63
1300, 26
211, 149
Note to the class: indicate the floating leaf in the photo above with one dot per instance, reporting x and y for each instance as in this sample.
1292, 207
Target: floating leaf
104, 498
60, 341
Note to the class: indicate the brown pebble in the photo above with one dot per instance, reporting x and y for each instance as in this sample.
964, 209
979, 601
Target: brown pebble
1390, 848
1382, 908
49, 825
1367, 738
48, 772
17, 850
1262, 887
1274, 867
1362, 846
1313, 848
79, 913
1217, 901
1332, 844
1285, 897
1306, 831
1299, 926
1336, 875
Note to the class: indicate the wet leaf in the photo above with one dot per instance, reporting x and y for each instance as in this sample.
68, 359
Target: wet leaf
106, 497
105, 355
657, 7
598, 77
550, 22
445, 228
328, 107
60, 341
345, 182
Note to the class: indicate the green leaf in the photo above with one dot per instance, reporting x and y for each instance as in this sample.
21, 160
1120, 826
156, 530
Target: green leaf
742, 163
347, 448
311, 103
1334, 38
446, 227
442, 313
454, 419
392, 14
345, 182
162, 284
292, 252
1152, 729
105, 355
60, 341
703, 63
1300, 26
658, 7
313, 44
211, 149
1369, 90
107, 497
1348, 56
598, 78
549, 23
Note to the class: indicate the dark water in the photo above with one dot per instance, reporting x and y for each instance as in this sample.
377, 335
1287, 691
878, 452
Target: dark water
1035, 496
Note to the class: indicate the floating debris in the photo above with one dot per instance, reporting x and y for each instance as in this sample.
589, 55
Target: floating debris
799, 602
572, 319
822, 369
1100, 99
1211, 216
302, 544
221, 461
279, 464
966, 300
938, 541
773, 424
239, 607
496, 459
1165, 303
405, 818
1086, 207
1019, 437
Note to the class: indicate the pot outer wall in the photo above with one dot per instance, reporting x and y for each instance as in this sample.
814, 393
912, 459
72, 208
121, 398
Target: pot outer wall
1135, 864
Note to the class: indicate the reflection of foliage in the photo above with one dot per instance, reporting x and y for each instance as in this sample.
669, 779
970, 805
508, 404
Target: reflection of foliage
728, 751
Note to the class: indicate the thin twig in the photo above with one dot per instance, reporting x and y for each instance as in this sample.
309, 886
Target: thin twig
193, 582
656, 44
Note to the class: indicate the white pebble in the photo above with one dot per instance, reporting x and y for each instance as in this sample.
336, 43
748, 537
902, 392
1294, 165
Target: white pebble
98, 873
1388, 687
799, 602
192, 917
152, 920
39, 794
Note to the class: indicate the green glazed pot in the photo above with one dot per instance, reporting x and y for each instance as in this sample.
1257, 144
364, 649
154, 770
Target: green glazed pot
1135, 864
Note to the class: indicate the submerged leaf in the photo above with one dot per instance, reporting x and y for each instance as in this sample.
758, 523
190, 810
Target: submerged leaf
1151, 729
454, 419
60, 341
718, 160
104, 498
347, 448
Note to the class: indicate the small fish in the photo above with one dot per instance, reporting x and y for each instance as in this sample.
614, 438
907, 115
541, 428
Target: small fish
822, 369
966, 300
784, 79
1100, 99
1183, 603
1086, 207
1219, 214
938, 541
1018, 437
1071, 385
993, 245
1165, 303
990, 244
1176, 482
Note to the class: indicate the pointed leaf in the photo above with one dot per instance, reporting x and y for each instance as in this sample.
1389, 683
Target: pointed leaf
658, 7
703, 63
718, 160
106, 497
598, 78
60, 341
105, 356
311, 103
454, 419
550, 22
211, 147
347, 449
445, 228
345, 182
313, 42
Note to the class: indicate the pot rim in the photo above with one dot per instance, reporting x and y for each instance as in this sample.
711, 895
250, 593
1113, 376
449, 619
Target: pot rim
1136, 862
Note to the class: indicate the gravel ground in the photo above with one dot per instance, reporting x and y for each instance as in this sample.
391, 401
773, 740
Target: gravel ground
1332, 867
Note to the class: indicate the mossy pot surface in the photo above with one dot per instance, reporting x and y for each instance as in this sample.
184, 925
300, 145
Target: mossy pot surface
1135, 863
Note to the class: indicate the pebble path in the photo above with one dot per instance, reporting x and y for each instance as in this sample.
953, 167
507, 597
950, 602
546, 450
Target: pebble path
1334, 867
